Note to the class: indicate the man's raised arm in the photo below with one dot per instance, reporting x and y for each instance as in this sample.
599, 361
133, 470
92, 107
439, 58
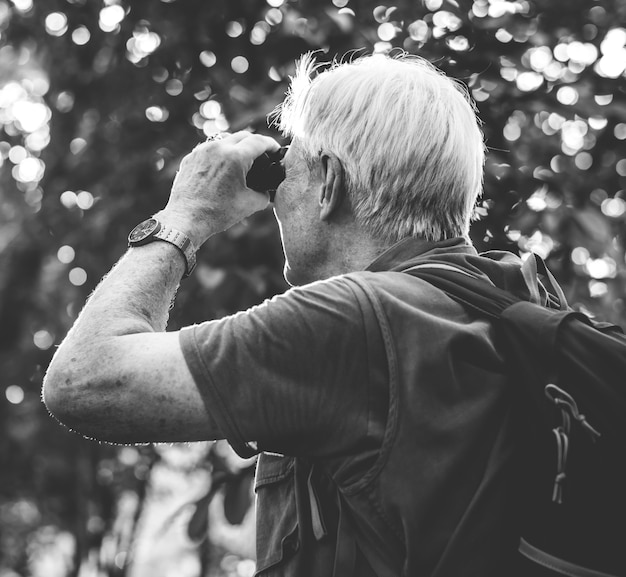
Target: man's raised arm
118, 376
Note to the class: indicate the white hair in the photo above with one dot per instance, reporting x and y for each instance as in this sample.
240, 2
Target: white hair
407, 137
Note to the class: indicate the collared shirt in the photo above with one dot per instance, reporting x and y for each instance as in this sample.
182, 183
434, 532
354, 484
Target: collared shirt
390, 406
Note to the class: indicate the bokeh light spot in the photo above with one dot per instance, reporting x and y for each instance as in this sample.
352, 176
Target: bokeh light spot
458, 43
613, 47
234, 29
386, 31
582, 53
539, 243
78, 276
77, 145
447, 20
503, 35
597, 122
68, 199
14, 394
23, 5
567, 95
573, 136
56, 24
274, 74
31, 116
583, 160
598, 195
603, 99
239, 64
84, 199
597, 289
210, 109
539, 58
81, 35
612, 66
419, 31
512, 131
30, 170
601, 267
613, 207
66, 254
157, 113
17, 154
43, 340
433, 5
537, 200
174, 86
529, 81
110, 17
64, 101
274, 16
259, 33
142, 44
207, 58
580, 255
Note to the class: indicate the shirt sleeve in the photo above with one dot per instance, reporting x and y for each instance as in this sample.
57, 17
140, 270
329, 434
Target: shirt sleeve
302, 374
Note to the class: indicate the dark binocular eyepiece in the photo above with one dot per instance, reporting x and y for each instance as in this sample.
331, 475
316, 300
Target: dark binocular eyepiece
267, 172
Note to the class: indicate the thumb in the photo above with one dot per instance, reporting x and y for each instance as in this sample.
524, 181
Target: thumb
253, 201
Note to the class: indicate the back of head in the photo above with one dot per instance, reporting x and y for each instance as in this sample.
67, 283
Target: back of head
407, 136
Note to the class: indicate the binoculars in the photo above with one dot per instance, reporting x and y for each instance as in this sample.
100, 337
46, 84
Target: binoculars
267, 172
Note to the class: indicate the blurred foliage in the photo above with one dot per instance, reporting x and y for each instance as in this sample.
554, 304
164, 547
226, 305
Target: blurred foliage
99, 101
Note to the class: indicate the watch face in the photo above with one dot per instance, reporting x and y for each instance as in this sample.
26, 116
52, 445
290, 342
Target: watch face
144, 231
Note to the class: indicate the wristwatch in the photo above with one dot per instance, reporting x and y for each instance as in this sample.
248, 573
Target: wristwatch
151, 229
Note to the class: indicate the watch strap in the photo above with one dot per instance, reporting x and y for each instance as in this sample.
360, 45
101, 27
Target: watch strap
182, 242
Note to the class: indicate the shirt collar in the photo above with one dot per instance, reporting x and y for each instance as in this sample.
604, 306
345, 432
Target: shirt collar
408, 249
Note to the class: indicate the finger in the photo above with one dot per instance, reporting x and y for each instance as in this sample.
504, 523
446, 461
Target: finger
221, 139
255, 145
237, 137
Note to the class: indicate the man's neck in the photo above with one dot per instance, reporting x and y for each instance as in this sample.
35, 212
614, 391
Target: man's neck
349, 251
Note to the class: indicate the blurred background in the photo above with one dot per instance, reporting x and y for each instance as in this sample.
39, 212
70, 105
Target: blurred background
99, 101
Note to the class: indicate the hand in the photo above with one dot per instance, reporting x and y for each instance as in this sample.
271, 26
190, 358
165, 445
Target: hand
209, 193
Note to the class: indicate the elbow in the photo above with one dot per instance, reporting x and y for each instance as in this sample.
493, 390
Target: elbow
82, 397
60, 395
72, 401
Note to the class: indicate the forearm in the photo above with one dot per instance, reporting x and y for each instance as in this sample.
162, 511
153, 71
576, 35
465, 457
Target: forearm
118, 375
133, 298
94, 382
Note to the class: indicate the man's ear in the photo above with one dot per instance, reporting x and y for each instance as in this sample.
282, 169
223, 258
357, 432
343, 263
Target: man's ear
332, 189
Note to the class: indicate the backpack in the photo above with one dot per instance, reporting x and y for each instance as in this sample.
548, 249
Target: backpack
570, 385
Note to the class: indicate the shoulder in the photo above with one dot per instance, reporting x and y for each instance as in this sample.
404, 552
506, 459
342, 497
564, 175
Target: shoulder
340, 297
395, 286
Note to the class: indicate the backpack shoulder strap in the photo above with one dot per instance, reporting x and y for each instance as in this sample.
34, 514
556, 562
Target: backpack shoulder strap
464, 287
477, 294
499, 305
541, 284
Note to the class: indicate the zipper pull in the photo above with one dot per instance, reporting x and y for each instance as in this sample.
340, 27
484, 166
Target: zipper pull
566, 402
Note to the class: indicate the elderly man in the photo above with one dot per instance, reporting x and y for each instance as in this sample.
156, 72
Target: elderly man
379, 406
